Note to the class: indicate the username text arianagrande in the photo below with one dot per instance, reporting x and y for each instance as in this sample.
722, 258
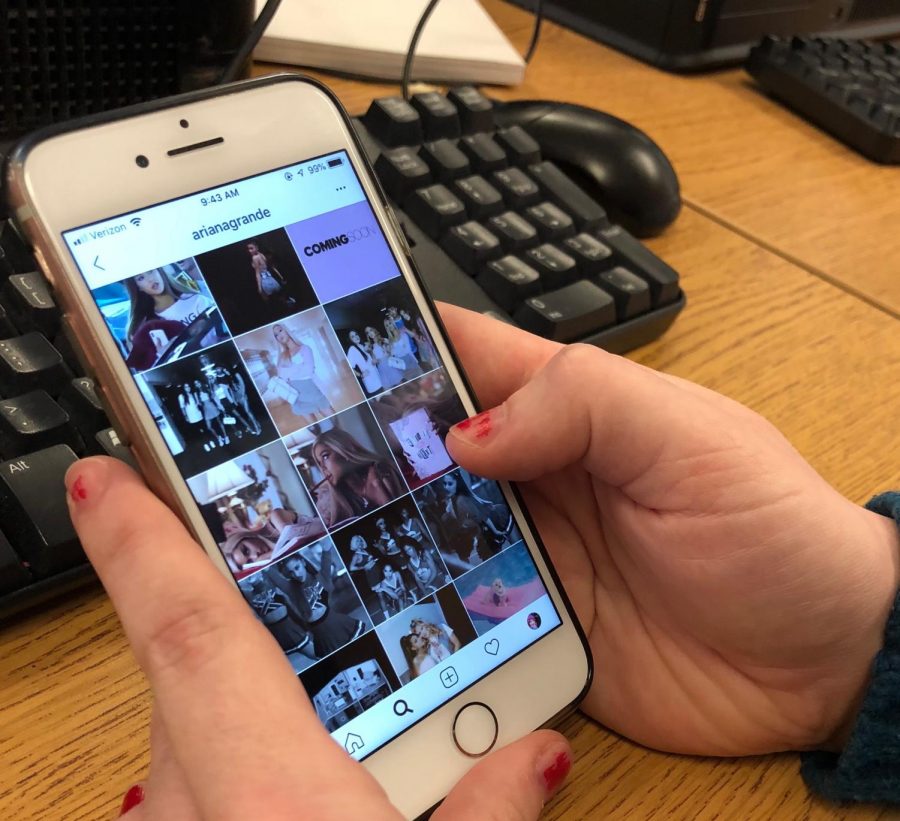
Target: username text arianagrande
231, 225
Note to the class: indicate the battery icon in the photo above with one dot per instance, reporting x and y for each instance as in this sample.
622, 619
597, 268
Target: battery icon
335, 162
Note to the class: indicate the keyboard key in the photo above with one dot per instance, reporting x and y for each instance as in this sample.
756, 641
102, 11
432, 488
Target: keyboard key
81, 402
33, 421
483, 152
394, 121
445, 160
567, 195
30, 305
631, 293
435, 209
515, 232
591, 255
509, 282
521, 148
13, 574
556, 268
15, 258
107, 442
439, 116
552, 222
402, 170
476, 112
34, 513
663, 281
517, 187
569, 313
470, 245
30, 362
480, 198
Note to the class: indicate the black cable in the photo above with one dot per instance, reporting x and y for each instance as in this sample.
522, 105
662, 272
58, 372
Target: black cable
536, 31
253, 37
411, 51
420, 27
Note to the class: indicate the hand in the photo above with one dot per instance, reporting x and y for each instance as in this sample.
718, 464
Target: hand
204, 654
732, 599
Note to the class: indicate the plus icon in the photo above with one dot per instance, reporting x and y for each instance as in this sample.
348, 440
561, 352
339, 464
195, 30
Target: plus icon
449, 677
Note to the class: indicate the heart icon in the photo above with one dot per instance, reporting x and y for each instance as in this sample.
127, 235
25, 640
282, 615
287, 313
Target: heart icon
492, 647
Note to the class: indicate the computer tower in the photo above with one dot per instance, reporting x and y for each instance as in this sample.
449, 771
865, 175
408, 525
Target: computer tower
64, 58
691, 35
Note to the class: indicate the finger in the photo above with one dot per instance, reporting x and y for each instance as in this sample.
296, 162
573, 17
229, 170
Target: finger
512, 784
213, 667
615, 417
498, 358
168, 794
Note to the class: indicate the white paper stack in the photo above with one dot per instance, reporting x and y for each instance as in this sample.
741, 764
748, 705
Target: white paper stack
460, 44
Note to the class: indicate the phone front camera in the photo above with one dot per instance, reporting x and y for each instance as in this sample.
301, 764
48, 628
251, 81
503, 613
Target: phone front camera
141, 161
183, 123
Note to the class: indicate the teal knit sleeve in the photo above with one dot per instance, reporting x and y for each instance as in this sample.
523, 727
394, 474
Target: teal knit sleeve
868, 768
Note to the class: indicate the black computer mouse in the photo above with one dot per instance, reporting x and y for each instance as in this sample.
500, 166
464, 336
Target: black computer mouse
612, 160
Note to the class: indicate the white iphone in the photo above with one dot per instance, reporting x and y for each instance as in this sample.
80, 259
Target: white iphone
243, 295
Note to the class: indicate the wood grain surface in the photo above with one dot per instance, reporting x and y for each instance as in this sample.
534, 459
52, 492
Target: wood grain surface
741, 158
74, 709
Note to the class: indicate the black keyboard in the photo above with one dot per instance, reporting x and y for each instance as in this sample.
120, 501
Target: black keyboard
49, 416
496, 228
493, 227
849, 88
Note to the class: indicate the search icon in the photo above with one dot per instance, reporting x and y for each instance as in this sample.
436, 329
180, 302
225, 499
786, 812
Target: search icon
401, 708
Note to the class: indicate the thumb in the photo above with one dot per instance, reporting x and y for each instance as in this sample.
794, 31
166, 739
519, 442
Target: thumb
618, 419
512, 784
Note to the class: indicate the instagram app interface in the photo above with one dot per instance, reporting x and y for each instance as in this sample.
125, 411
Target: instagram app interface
298, 387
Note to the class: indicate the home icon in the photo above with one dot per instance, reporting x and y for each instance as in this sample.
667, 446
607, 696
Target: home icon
353, 743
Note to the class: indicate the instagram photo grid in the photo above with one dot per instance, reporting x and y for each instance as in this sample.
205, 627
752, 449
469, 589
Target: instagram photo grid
309, 422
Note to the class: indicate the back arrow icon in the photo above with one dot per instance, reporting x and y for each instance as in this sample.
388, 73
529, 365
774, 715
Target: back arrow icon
97, 264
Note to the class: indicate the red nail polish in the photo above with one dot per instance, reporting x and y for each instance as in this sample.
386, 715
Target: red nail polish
132, 798
479, 422
484, 424
556, 773
78, 491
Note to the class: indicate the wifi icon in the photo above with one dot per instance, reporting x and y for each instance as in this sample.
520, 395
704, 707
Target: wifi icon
135, 221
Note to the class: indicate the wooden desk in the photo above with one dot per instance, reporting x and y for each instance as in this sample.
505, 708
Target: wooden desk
74, 709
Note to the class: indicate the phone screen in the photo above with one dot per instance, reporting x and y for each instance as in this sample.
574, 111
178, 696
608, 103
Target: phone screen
290, 372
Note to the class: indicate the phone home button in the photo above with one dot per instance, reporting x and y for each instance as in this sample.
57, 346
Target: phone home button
475, 729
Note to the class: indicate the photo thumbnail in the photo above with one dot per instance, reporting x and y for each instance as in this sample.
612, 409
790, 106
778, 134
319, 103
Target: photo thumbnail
383, 335
392, 559
343, 250
308, 603
161, 315
426, 634
500, 588
300, 370
468, 518
257, 281
256, 508
415, 419
356, 678
346, 465
207, 408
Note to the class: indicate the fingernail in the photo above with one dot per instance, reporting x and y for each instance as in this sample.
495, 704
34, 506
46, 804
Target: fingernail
477, 429
554, 770
84, 479
78, 490
132, 798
